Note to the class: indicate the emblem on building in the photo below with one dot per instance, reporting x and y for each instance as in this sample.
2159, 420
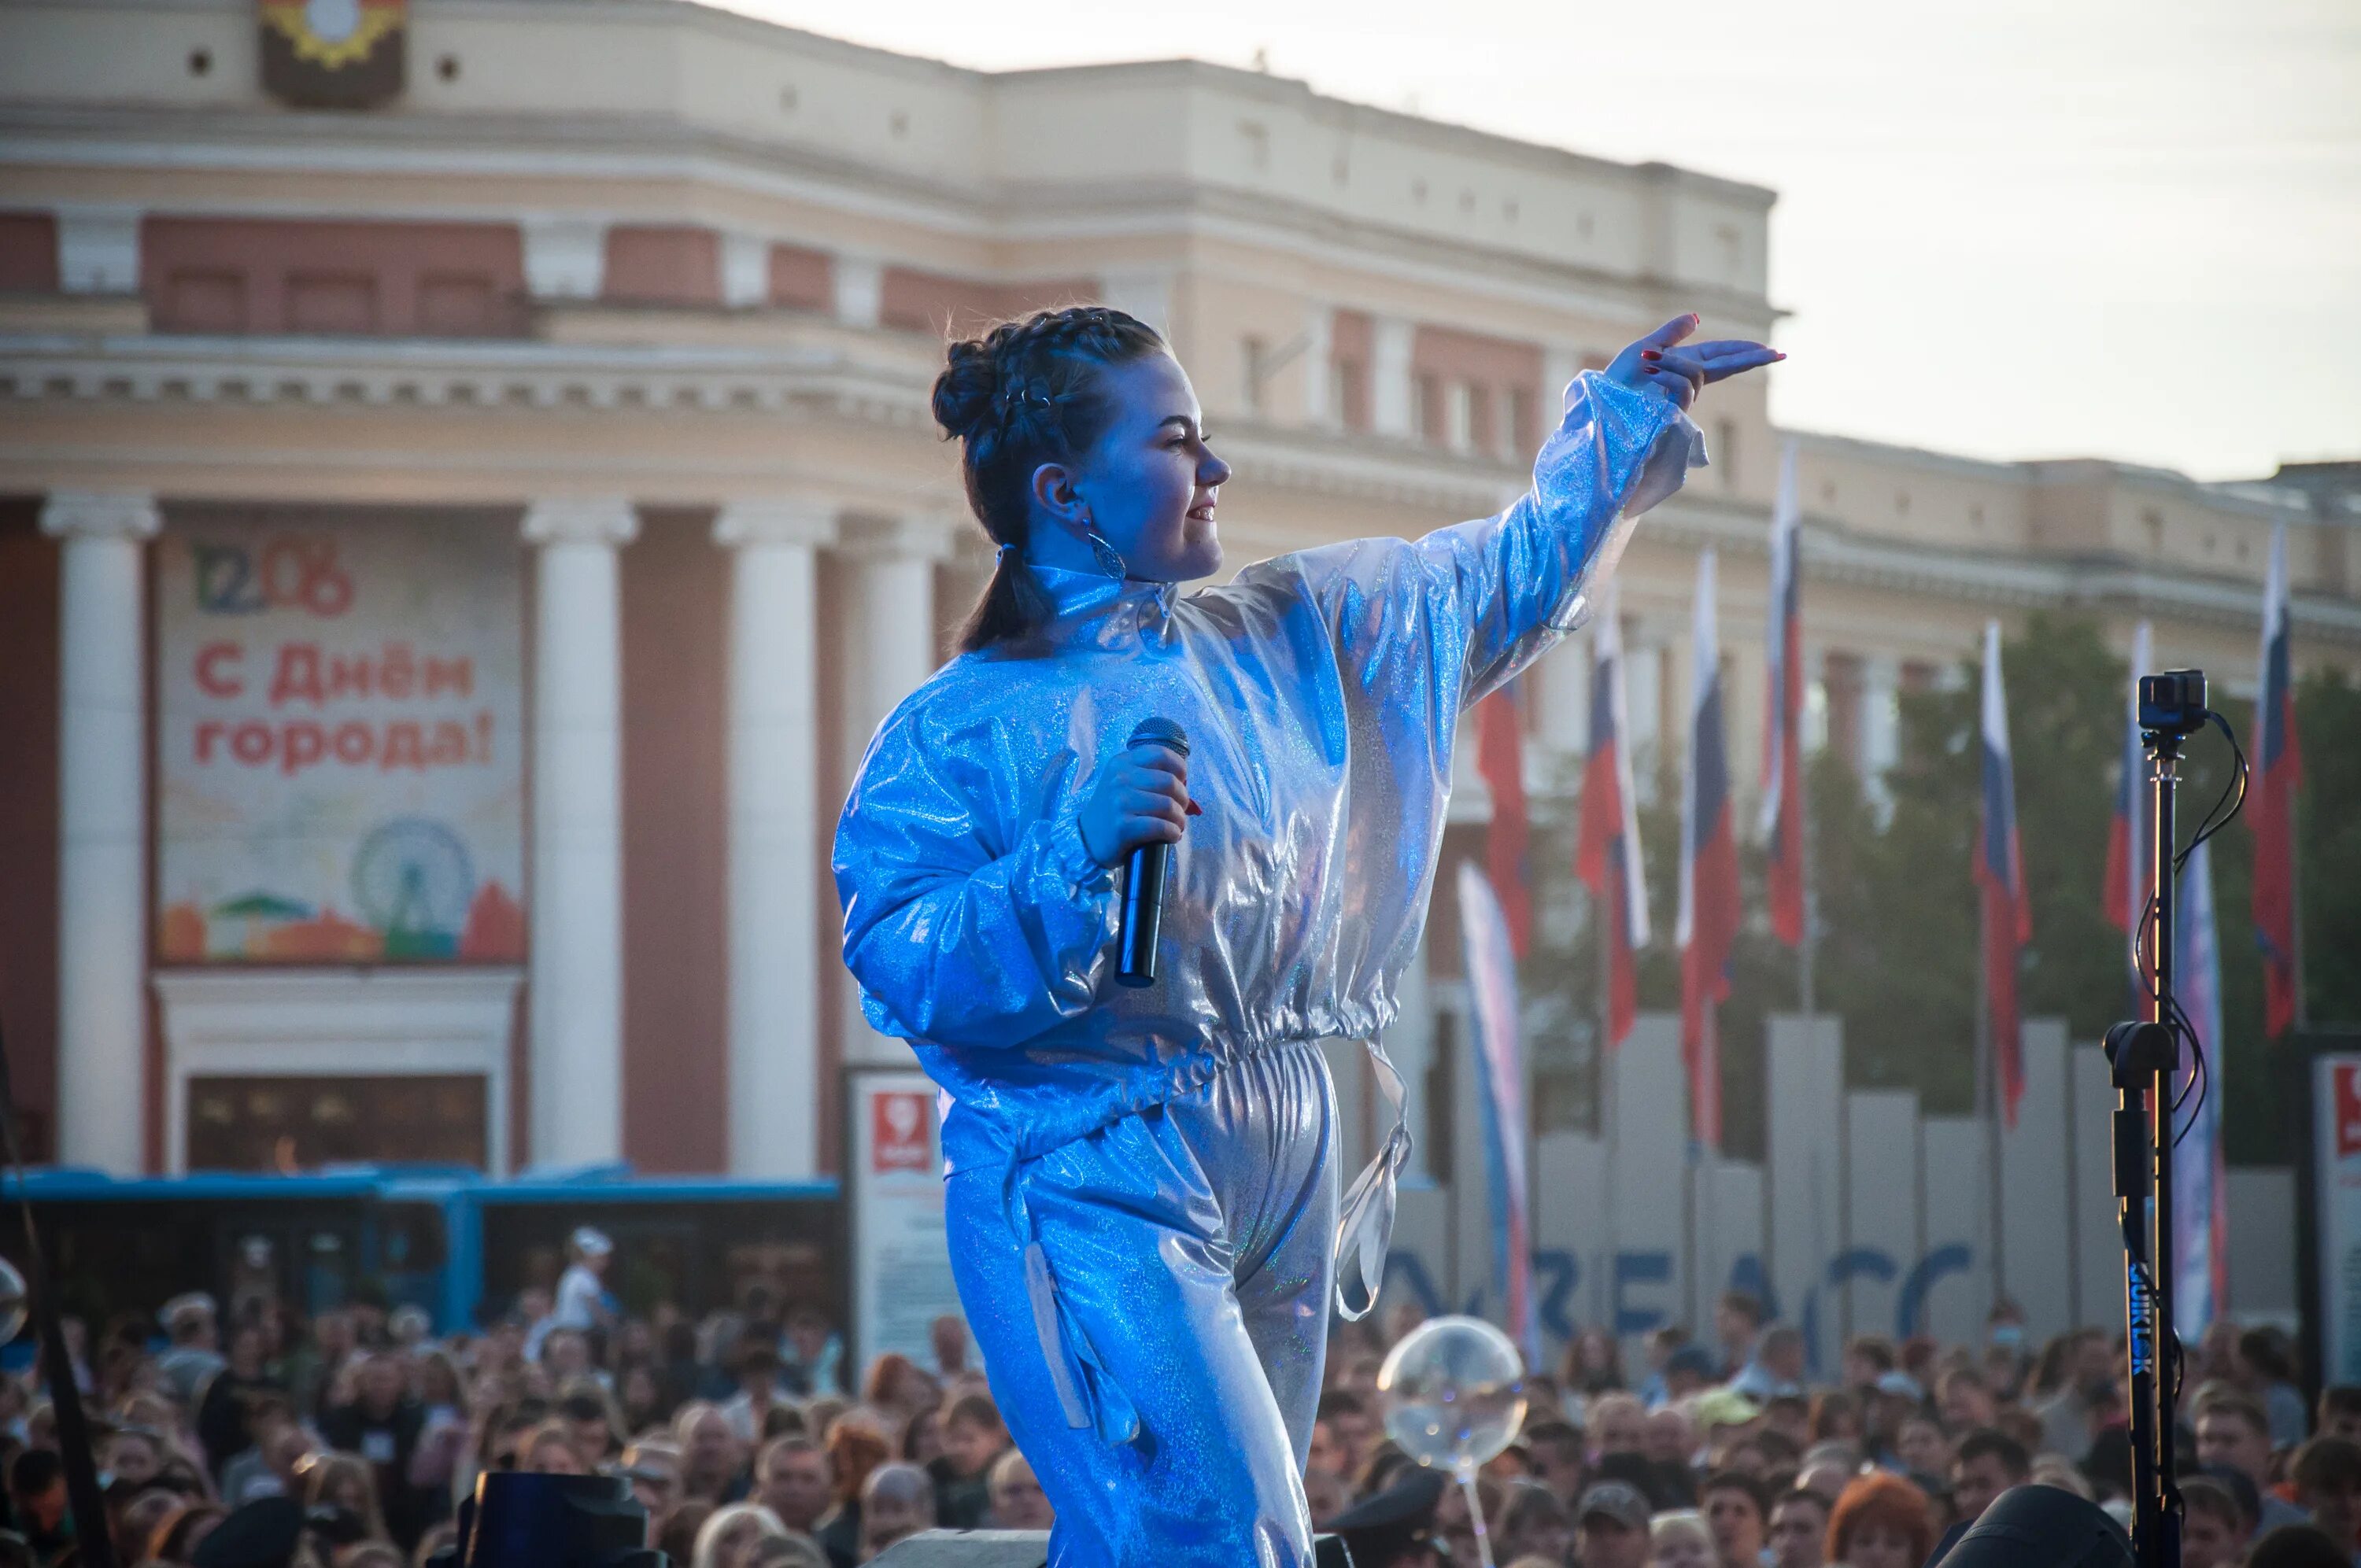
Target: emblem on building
334, 54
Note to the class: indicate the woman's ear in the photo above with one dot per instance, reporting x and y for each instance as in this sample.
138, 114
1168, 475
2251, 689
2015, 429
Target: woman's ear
1054, 493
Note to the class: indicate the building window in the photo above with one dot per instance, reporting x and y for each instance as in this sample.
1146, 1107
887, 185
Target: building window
2153, 520
1253, 352
1459, 417
1725, 442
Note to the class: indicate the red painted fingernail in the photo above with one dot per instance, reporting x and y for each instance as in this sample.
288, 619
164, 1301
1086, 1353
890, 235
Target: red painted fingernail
1650, 354
1195, 810
1649, 368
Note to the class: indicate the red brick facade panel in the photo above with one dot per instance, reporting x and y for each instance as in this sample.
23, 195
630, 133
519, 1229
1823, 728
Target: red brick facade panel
801, 279
394, 280
672, 264
1502, 377
28, 253
962, 307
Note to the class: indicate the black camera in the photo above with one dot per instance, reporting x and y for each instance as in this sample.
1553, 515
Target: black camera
2173, 703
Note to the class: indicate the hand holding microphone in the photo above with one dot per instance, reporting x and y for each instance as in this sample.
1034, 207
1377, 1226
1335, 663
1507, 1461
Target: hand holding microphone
1137, 812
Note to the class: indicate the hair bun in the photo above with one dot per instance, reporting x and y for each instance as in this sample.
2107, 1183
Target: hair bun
965, 391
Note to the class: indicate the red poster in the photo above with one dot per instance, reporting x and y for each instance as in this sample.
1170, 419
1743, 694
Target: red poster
2348, 1109
897, 1135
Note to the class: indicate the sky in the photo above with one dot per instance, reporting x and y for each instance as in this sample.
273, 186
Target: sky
2006, 228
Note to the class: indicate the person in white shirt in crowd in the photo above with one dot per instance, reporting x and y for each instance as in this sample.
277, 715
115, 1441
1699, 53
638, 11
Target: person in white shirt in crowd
582, 1301
1776, 1367
196, 1354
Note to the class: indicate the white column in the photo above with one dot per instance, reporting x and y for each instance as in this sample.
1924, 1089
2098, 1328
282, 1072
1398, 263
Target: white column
1643, 702
1320, 347
745, 270
564, 256
892, 651
1563, 719
859, 285
98, 248
774, 871
102, 825
576, 1004
1880, 726
1390, 402
1143, 293
1560, 363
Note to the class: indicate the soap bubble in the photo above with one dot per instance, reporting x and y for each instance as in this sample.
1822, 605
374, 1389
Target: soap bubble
1453, 1392
15, 1301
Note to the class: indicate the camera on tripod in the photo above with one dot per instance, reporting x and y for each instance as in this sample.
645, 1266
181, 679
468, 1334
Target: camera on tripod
2173, 703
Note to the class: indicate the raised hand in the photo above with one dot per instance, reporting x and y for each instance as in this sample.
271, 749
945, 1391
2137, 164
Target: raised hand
1140, 796
1664, 361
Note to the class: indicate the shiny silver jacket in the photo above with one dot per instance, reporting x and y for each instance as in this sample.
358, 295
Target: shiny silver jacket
1321, 692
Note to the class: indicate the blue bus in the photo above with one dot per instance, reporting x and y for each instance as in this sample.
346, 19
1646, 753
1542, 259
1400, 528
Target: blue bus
449, 1240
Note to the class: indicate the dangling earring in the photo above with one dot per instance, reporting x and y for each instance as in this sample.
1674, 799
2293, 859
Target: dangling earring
1110, 563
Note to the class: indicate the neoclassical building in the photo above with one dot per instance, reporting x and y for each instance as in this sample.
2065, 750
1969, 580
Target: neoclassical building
460, 527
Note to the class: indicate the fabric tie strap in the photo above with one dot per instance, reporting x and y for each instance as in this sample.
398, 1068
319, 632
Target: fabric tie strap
1365, 1219
1087, 1393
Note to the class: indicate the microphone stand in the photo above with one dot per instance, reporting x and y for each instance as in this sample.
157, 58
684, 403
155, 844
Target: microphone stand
2144, 1060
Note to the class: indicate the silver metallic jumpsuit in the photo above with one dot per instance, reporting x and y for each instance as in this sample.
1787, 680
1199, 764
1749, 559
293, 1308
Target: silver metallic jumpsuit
1142, 1191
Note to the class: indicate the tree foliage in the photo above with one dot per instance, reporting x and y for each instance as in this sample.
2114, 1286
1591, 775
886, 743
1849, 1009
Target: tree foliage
1897, 956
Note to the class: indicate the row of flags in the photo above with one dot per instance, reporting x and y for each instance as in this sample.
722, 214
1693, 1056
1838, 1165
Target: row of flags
1497, 908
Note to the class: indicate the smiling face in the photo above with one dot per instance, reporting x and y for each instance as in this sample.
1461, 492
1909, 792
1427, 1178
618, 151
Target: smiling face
1147, 483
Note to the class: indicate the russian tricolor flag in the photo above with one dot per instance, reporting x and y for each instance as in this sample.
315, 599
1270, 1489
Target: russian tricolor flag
1709, 910
1607, 854
2128, 874
1782, 772
2000, 879
1491, 970
2277, 767
1501, 758
2201, 1185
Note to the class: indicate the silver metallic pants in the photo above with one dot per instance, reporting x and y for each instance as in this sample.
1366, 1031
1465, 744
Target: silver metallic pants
1151, 1301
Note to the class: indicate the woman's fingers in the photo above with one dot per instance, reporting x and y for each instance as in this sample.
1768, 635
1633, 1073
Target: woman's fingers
1672, 332
1731, 358
1676, 363
1144, 803
1164, 759
1681, 386
1158, 780
1703, 368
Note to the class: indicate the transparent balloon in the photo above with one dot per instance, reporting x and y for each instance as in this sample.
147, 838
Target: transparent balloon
15, 1302
1453, 1392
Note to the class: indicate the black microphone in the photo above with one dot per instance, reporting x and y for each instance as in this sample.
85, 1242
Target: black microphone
1143, 883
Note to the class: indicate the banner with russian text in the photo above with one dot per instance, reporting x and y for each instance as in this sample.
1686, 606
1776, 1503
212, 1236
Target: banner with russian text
340, 740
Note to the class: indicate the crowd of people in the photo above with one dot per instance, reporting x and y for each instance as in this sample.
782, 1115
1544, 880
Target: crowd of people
1727, 1452
348, 1440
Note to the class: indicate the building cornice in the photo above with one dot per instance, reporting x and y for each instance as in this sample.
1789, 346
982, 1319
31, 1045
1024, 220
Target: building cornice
391, 372
1832, 552
662, 151
828, 383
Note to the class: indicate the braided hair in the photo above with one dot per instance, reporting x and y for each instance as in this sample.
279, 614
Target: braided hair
1026, 392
